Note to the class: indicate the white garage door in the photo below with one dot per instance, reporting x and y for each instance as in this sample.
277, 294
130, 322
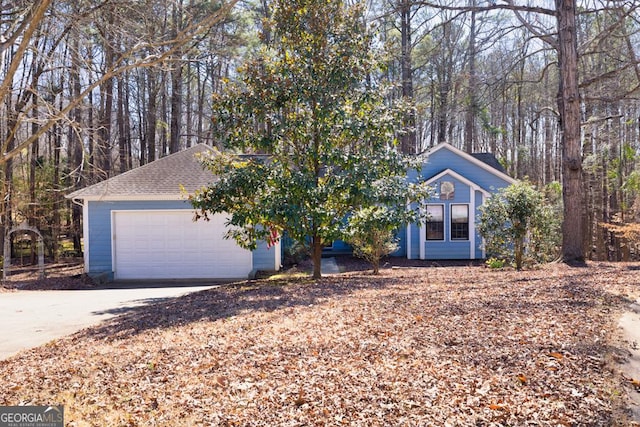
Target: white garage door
170, 245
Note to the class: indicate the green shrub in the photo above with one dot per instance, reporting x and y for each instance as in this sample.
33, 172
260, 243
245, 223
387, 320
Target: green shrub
372, 233
519, 225
495, 263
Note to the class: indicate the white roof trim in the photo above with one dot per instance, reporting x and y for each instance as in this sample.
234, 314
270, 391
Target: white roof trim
460, 178
134, 197
471, 159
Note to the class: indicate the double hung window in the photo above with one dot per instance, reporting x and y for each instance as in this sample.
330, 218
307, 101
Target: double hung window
435, 222
459, 222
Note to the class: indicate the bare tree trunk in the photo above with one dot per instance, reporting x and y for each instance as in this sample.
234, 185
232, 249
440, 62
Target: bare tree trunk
33, 164
127, 129
444, 87
189, 109
176, 108
152, 115
76, 149
472, 107
92, 140
316, 255
589, 182
548, 150
122, 141
569, 107
408, 142
106, 111
606, 214
164, 113
176, 86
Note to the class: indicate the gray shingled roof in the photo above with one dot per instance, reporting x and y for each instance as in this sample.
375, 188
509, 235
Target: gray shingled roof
489, 159
162, 177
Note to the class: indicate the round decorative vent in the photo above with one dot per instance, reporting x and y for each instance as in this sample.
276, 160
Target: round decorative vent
447, 190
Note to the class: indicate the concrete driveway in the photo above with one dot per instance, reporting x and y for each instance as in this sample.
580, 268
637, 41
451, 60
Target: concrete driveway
32, 318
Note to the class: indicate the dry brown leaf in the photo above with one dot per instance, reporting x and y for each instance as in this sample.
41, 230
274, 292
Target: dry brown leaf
300, 400
222, 381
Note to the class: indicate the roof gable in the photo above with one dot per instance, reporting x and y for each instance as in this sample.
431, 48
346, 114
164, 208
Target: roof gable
457, 176
446, 157
478, 159
160, 179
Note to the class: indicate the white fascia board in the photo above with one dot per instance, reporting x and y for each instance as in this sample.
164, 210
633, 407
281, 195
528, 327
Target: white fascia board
136, 197
472, 223
85, 236
471, 159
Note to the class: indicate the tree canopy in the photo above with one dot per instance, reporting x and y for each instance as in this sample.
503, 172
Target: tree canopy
310, 101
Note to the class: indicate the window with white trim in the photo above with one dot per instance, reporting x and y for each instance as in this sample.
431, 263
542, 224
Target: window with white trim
459, 222
435, 222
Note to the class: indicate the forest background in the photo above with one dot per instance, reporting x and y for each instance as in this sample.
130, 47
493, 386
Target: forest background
93, 88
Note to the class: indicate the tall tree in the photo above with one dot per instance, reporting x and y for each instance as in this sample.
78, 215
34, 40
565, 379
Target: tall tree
568, 98
309, 102
408, 145
569, 107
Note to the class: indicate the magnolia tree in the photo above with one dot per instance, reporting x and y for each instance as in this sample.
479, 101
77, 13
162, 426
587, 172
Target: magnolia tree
517, 222
310, 100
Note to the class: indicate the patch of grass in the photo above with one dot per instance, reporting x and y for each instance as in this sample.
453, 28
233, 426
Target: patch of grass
297, 275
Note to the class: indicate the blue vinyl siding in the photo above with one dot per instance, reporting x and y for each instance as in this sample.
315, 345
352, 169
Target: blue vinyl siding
447, 249
401, 235
462, 192
264, 257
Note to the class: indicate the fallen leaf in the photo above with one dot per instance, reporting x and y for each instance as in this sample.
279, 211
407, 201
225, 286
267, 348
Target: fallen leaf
300, 400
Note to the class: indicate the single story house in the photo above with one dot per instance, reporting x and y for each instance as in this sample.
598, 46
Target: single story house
139, 225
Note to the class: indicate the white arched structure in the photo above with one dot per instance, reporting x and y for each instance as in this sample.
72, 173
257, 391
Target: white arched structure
24, 227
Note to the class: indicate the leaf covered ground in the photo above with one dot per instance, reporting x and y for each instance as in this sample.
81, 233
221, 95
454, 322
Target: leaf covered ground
436, 346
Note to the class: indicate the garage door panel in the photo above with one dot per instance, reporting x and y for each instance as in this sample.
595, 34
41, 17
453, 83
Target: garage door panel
169, 244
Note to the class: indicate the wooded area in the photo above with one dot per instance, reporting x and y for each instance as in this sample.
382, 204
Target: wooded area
93, 88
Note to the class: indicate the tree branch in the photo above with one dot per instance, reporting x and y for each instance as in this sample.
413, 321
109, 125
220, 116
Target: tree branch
118, 68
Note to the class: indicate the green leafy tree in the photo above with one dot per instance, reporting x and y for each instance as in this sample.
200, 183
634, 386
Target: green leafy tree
517, 222
371, 232
372, 229
309, 100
